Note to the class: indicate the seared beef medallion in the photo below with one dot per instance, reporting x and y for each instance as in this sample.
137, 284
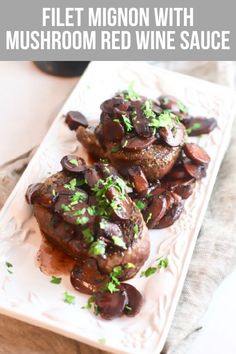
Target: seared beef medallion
136, 131
87, 212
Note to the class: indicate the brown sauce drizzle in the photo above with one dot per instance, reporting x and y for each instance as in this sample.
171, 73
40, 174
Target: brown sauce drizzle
53, 261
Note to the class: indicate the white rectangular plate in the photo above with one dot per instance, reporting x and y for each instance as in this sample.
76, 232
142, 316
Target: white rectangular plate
27, 294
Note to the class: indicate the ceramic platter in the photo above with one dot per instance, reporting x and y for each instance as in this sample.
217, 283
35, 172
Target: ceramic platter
27, 293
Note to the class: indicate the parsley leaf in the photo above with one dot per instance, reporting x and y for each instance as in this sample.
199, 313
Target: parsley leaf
111, 287
118, 241
127, 307
69, 299
136, 231
147, 109
97, 248
162, 263
127, 123
82, 220
88, 235
129, 265
165, 119
89, 303
130, 94
149, 271
115, 148
78, 197
195, 126
92, 210
65, 207
55, 280
74, 162
140, 205
9, 265
71, 185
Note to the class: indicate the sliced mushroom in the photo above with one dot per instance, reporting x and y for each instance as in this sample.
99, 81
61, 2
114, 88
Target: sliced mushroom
74, 119
173, 136
135, 300
195, 171
137, 144
155, 211
91, 176
178, 172
109, 105
171, 103
73, 163
196, 154
112, 130
121, 207
86, 277
199, 125
171, 216
33, 192
138, 178
111, 305
140, 121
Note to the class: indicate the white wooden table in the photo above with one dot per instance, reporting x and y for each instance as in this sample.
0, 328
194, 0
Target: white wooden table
29, 98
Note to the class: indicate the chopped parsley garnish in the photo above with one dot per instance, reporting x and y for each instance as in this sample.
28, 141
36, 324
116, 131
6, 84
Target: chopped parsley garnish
80, 182
9, 266
89, 304
65, 207
130, 94
82, 220
127, 123
88, 235
149, 271
104, 205
136, 231
140, 205
182, 107
55, 280
74, 162
118, 241
114, 282
69, 299
78, 197
71, 185
97, 248
92, 210
147, 109
111, 287
115, 148
195, 126
165, 119
79, 212
162, 263
129, 265
127, 307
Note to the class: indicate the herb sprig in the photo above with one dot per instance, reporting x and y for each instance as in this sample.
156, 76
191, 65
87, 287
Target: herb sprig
162, 263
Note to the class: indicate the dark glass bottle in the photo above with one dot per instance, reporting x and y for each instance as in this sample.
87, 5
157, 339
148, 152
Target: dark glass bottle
62, 68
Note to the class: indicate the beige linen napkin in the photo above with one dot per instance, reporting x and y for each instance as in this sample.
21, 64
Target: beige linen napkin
214, 256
